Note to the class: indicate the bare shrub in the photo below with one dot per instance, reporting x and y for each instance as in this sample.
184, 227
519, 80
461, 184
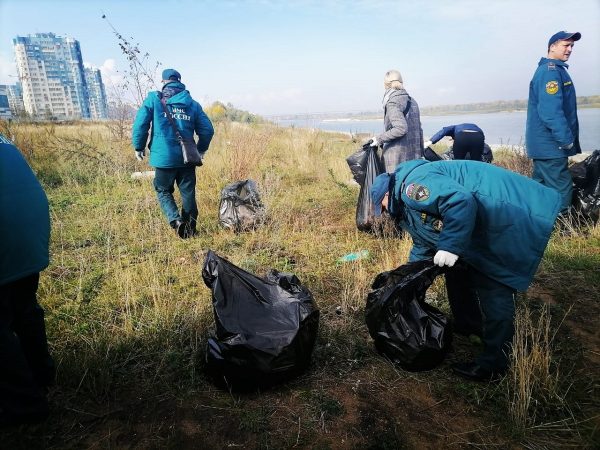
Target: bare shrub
515, 159
244, 151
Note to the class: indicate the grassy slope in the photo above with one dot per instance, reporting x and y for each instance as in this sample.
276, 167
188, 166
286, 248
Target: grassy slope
128, 314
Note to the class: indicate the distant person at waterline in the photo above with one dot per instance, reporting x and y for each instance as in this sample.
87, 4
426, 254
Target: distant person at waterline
402, 139
165, 151
468, 140
552, 131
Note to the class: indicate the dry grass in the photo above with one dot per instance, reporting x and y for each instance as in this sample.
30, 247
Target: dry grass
126, 306
532, 381
515, 159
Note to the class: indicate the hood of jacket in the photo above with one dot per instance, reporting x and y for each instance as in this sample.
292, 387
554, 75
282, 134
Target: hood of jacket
181, 99
557, 62
173, 91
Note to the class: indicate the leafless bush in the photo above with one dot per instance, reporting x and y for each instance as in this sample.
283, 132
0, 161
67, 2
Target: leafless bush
515, 159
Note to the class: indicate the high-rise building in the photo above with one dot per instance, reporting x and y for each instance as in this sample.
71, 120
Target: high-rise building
15, 99
4, 106
52, 77
97, 94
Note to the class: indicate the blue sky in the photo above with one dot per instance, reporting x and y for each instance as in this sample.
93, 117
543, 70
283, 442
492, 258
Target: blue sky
299, 56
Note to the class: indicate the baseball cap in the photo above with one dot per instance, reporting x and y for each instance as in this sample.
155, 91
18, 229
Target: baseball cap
171, 74
563, 36
380, 187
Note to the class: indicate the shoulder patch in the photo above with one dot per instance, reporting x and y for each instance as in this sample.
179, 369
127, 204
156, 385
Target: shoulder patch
417, 192
552, 87
551, 66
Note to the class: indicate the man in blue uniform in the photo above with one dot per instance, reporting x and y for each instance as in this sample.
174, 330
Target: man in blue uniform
165, 151
468, 140
26, 368
496, 221
552, 131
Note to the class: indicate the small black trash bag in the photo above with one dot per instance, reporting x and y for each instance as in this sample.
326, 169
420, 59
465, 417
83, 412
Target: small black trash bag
365, 220
241, 208
265, 328
406, 329
586, 187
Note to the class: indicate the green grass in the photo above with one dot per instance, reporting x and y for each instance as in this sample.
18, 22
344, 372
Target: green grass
128, 314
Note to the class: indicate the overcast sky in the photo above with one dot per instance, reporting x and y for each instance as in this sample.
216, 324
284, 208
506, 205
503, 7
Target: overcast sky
275, 57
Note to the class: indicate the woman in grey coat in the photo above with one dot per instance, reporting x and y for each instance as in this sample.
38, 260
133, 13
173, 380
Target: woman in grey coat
402, 139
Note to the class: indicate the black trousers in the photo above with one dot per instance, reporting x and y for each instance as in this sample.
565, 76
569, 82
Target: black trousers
463, 302
468, 145
26, 367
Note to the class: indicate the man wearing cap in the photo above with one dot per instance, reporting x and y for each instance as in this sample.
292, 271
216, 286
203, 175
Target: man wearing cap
165, 151
552, 131
495, 221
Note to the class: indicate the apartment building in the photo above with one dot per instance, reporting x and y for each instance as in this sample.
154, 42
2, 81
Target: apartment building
97, 94
53, 80
4, 106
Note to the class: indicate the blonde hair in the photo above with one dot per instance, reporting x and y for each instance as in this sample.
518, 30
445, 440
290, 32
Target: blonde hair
393, 80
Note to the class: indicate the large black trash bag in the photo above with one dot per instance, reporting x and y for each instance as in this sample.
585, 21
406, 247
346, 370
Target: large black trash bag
406, 329
265, 328
358, 163
241, 208
365, 220
586, 187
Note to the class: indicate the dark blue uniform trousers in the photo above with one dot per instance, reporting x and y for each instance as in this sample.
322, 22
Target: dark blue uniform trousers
468, 145
491, 304
164, 185
554, 173
26, 367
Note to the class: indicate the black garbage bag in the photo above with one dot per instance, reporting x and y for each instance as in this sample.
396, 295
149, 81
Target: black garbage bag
265, 328
430, 155
586, 187
357, 162
406, 329
241, 208
364, 207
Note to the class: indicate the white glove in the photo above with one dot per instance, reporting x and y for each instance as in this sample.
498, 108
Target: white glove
374, 142
568, 147
139, 154
443, 258
427, 144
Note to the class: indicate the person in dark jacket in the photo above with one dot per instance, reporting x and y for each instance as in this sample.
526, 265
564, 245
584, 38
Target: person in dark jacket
402, 139
496, 221
468, 138
552, 131
26, 367
165, 151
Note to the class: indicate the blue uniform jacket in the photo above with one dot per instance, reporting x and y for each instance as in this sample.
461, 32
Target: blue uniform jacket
24, 217
496, 220
165, 151
452, 130
551, 112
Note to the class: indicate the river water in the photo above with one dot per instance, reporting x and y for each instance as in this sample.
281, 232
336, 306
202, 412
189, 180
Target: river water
501, 128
